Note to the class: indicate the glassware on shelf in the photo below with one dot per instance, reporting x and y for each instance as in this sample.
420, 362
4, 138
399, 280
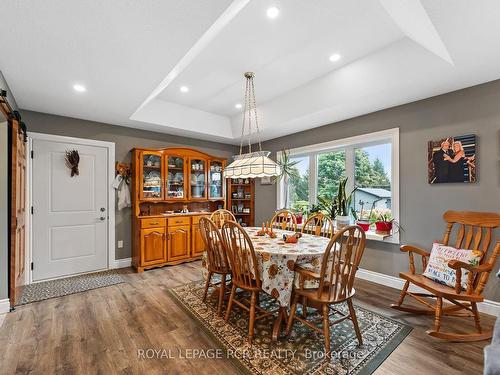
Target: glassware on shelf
151, 176
197, 178
175, 177
215, 180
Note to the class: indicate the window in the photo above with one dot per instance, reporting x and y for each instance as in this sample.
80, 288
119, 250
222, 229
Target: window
331, 168
298, 187
370, 162
372, 177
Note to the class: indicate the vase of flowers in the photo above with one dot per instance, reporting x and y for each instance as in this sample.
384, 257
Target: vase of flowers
384, 221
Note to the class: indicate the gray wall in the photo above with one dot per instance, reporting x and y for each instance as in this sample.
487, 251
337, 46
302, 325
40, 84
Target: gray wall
4, 214
474, 110
125, 139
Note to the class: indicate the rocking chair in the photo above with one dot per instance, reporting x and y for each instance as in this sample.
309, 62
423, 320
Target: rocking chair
474, 233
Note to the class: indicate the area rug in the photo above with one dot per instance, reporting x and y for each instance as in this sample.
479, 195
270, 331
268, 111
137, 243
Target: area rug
69, 285
303, 351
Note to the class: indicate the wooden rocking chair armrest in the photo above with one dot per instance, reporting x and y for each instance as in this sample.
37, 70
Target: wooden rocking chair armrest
456, 265
414, 249
473, 270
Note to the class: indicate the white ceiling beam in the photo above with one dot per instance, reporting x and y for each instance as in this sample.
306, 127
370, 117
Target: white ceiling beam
412, 18
202, 43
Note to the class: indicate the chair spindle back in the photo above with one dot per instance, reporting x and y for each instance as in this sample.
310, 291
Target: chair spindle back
284, 220
340, 263
241, 254
319, 225
216, 250
473, 231
219, 217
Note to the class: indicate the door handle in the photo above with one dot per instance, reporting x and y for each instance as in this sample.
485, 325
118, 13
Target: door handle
102, 218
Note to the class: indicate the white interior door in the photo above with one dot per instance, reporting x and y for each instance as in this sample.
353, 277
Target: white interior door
70, 214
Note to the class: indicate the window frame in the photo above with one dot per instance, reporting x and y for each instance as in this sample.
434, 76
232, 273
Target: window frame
349, 145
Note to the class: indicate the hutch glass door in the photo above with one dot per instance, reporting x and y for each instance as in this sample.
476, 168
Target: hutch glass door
175, 177
152, 186
198, 177
215, 181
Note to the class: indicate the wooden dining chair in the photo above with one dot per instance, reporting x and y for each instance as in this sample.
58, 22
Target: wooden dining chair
284, 220
318, 225
336, 278
217, 262
219, 217
245, 272
471, 230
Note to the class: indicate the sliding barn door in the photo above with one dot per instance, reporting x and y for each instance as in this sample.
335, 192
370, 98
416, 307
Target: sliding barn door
18, 211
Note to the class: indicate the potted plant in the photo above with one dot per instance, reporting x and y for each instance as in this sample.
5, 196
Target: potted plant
363, 219
384, 221
288, 171
343, 203
300, 209
327, 206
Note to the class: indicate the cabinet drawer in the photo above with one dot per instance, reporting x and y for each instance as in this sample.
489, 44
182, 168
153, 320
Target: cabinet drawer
153, 222
196, 219
183, 220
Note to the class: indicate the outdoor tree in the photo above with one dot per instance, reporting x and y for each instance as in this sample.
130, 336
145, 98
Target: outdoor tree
331, 168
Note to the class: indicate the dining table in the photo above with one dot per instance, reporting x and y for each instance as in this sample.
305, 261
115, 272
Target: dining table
277, 260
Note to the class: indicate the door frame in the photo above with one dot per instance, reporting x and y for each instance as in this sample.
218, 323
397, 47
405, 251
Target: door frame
110, 146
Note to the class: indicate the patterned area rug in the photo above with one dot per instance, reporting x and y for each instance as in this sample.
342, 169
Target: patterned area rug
69, 285
303, 351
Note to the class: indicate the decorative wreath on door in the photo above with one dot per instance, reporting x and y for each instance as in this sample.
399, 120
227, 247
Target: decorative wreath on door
72, 160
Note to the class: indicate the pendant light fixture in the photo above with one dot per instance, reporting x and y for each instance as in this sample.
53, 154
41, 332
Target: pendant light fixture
257, 163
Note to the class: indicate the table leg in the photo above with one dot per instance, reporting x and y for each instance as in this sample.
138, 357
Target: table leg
279, 321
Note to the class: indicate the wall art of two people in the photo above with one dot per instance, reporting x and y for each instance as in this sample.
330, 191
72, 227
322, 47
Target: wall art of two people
452, 159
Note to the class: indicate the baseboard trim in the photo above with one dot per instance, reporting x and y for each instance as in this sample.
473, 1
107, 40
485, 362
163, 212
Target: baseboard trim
123, 263
4, 306
487, 307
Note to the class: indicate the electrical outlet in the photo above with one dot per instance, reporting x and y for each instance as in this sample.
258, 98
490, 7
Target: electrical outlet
120, 244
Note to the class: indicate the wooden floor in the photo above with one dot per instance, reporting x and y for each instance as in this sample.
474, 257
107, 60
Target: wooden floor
101, 331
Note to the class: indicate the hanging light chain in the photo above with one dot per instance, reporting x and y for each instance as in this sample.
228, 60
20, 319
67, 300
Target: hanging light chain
256, 116
250, 110
244, 118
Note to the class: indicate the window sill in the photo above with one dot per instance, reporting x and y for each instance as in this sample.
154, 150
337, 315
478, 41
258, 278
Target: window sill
375, 236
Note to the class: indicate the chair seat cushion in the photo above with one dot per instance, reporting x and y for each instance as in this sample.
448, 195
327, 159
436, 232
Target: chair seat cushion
437, 268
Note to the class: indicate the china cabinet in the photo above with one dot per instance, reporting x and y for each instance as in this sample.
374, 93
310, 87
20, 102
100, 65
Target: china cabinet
172, 189
240, 200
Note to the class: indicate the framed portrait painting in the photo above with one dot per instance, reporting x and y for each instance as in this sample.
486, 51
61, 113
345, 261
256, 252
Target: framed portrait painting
452, 159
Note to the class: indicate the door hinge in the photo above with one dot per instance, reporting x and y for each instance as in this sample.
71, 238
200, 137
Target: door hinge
32, 153
32, 266
32, 210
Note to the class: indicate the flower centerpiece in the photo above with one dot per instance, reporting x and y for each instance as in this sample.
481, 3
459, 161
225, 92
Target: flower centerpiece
384, 221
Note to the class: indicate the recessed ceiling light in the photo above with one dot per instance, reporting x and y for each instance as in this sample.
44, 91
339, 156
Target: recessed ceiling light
184, 89
238, 106
335, 57
79, 88
272, 12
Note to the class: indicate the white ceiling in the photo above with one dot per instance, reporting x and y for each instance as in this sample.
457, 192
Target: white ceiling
133, 56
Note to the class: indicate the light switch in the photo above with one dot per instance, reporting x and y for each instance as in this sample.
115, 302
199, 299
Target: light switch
120, 244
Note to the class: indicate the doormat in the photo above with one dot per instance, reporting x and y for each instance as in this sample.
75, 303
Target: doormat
69, 285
